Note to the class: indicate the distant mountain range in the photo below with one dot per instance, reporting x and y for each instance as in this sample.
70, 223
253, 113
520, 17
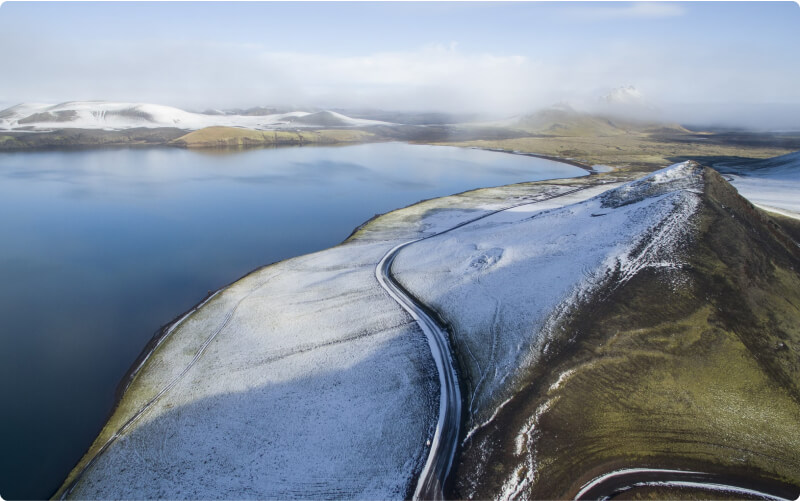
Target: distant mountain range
563, 120
119, 116
559, 120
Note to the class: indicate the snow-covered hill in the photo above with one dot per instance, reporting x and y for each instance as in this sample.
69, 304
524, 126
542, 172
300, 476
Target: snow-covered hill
305, 380
771, 183
627, 95
302, 380
502, 282
317, 385
626, 101
118, 115
782, 167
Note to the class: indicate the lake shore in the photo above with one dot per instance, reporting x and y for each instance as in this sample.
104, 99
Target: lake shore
208, 342
144, 226
146, 412
379, 234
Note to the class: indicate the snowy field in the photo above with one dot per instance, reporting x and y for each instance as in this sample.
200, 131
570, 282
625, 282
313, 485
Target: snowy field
314, 385
773, 183
777, 195
115, 116
302, 380
503, 281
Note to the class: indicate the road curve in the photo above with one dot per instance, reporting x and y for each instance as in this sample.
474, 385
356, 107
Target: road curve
611, 484
445, 439
443, 447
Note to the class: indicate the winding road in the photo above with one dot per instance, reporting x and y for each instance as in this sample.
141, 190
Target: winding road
445, 439
611, 484
434, 474
443, 447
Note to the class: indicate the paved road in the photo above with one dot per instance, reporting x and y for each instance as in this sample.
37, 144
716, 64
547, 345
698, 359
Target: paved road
611, 484
445, 439
443, 446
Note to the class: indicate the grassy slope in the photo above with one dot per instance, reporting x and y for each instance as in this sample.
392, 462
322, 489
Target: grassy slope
637, 150
224, 137
695, 370
87, 138
566, 122
641, 146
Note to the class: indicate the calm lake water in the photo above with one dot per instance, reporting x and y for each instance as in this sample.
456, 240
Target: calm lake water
101, 248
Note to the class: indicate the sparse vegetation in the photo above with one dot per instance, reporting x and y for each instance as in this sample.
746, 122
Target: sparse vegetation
690, 369
635, 151
87, 138
233, 137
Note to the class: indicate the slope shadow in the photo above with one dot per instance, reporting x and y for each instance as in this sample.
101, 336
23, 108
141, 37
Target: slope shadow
319, 436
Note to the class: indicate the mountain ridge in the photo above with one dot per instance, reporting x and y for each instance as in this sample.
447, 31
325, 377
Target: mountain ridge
111, 115
676, 367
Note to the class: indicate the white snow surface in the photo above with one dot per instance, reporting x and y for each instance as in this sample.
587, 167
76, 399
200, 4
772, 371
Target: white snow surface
781, 167
504, 281
120, 115
771, 194
315, 385
772, 183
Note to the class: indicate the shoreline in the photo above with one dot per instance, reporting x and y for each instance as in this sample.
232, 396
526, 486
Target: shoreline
163, 333
568, 161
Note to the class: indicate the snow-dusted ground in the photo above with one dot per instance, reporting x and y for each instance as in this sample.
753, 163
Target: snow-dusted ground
772, 183
502, 282
314, 385
116, 115
305, 379
777, 195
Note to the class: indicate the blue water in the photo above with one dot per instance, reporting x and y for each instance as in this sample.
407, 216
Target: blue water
100, 248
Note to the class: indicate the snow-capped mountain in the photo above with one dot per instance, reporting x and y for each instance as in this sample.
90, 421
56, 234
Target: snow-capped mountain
120, 115
625, 95
627, 101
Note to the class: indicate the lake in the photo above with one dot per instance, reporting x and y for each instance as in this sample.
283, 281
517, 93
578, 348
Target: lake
100, 248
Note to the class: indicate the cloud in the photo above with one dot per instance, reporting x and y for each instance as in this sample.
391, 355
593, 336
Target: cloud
432, 77
439, 77
636, 10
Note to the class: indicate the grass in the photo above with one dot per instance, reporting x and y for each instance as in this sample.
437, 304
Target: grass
234, 137
635, 151
8, 140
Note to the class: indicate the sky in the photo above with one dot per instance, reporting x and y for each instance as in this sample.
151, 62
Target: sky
725, 62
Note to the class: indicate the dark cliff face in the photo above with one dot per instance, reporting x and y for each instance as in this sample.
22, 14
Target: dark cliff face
689, 368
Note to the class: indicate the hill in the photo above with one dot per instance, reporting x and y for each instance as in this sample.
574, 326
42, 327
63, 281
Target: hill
226, 137
772, 183
599, 326
564, 121
88, 138
780, 167
684, 353
109, 115
331, 119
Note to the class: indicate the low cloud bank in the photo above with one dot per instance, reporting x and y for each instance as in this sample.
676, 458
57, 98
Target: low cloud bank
430, 78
